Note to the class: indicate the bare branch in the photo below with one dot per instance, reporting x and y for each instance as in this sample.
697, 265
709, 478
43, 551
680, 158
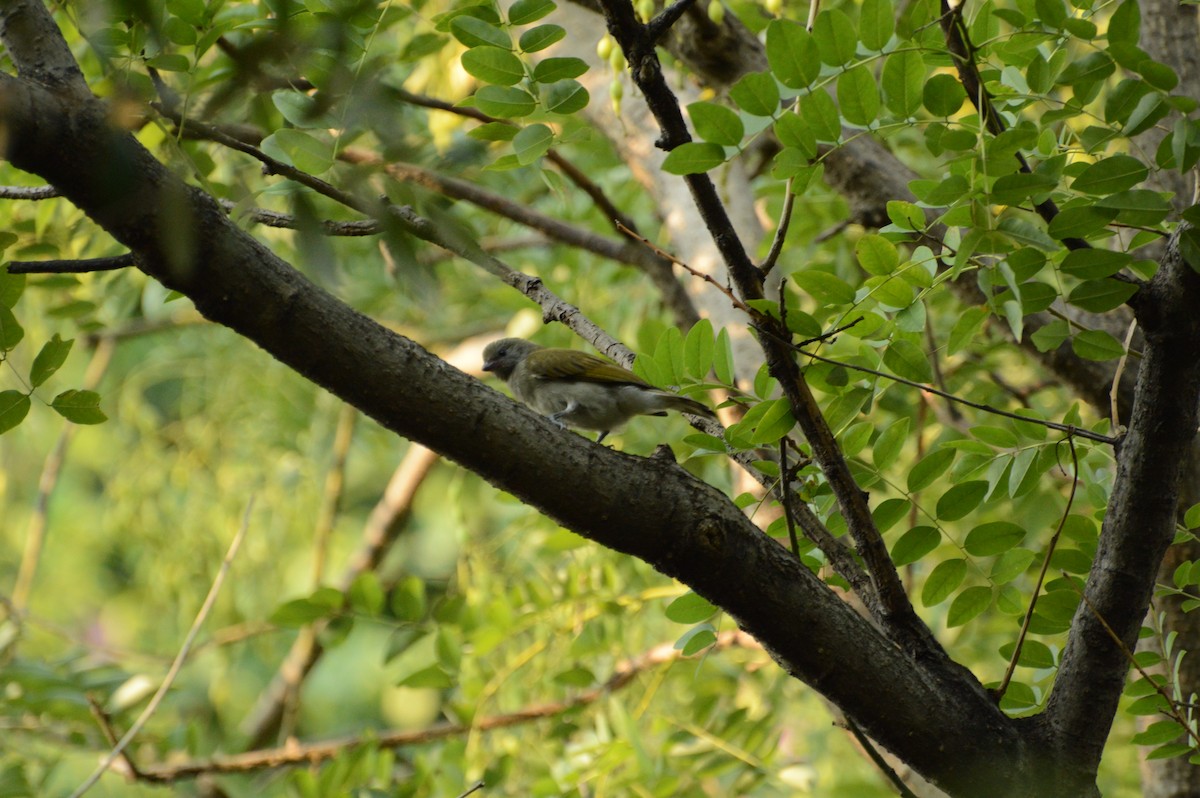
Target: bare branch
83, 266
313, 753
28, 192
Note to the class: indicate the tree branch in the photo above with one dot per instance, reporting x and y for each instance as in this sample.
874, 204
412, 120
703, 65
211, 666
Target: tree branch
894, 610
313, 753
1140, 522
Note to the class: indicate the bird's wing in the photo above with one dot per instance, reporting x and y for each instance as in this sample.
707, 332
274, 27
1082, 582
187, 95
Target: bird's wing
580, 366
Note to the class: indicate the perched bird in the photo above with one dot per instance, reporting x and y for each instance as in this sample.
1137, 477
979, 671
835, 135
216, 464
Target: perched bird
576, 389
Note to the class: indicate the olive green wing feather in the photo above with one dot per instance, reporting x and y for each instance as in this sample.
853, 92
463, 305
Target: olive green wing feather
551, 364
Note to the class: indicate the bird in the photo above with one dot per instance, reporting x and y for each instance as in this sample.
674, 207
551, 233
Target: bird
579, 390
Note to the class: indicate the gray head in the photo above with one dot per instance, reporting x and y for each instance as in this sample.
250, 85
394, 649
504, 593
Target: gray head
501, 357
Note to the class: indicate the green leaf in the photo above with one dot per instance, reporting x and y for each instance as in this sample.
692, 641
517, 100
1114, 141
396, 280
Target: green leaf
1097, 345
915, 544
11, 331
858, 96
1011, 564
820, 113
1125, 24
1092, 68
1099, 296
835, 37
723, 358
11, 285
690, 608
306, 152
826, 288
494, 131
965, 329
932, 466
903, 82
756, 93
408, 600
968, 604
366, 594
1080, 221
551, 70
889, 443
696, 640
321, 603
1092, 264
80, 407
532, 142
876, 21
1118, 173
524, 12
566, 97
792, 54
890, 292
474, 32
889, 511
943, 95
877, 255
794, 134
1137, 206
1016, 188
505, 102
1164, 731
1189, 247
432, 677
540, 38
694, 157
716, 123
1051, 336
493, 65
51, 357
908, 360
993, 538
943, 580
776, 422
961, 500
14, 406
698, 349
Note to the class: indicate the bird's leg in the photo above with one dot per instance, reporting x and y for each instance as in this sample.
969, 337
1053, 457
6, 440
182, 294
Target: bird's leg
557, 418
601, 436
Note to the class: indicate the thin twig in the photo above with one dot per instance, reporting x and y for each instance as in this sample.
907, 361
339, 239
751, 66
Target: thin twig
110, 734
737, 303
28, 192
785, 221
658, 27
1114, 392
479, 785
1173, 712
1037, 588
785, 492
81, 266
1070, 429
877, 758
313, 753
177, 665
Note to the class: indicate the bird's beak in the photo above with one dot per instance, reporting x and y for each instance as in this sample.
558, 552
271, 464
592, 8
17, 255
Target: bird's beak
489, 365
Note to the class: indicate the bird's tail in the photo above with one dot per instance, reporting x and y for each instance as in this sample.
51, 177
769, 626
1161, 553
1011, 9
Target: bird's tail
685, 405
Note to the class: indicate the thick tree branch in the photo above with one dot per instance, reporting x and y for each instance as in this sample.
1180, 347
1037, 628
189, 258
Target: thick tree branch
1140, 521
